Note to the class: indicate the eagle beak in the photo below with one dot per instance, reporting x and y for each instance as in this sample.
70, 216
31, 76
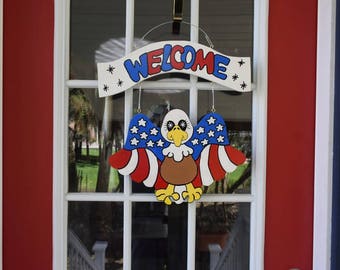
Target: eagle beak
177, 135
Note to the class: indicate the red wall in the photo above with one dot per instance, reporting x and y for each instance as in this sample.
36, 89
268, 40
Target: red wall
290, 155
27, 124
28, 83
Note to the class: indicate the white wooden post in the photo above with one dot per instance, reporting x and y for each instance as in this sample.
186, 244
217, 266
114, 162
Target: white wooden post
214, 251
99, 248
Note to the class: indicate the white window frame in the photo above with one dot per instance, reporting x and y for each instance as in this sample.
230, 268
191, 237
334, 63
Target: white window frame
1, 121
324, 117
60, 118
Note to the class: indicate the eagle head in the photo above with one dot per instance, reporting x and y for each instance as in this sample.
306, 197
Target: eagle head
176, 127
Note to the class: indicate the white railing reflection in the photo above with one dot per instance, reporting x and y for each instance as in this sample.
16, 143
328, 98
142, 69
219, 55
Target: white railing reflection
80, 259
234, 255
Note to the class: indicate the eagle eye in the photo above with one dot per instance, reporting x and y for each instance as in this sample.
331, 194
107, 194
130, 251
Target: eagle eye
182, 124
170, 125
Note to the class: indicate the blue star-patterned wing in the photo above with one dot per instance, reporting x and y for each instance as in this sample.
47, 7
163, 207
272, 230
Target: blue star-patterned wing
143, 133
211, 129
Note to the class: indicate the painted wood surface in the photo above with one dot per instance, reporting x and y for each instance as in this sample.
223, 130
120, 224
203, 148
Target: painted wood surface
290, 156
27, 156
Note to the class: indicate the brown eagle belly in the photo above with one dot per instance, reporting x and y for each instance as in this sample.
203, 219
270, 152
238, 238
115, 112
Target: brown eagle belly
178, 173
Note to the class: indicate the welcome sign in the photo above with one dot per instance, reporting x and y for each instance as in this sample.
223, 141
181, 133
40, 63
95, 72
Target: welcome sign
174, 56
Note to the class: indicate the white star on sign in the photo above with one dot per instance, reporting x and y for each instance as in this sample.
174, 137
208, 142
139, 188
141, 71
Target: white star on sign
142, 122
160, 143
211, 120
204, 142
200, 130
134, 141
220, 138
134, 129
211, 133
219, 127
194, 141
150, 143
154, 131
143, 135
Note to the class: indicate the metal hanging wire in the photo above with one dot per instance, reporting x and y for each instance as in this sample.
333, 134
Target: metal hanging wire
139, 110
212, 97
211, 45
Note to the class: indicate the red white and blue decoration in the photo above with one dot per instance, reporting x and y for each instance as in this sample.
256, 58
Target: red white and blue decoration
174, 56
177, 159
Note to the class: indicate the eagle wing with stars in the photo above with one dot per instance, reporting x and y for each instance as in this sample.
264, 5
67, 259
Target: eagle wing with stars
214, 156
142, 152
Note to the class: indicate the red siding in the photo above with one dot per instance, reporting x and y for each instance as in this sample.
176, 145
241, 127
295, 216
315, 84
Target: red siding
291, 110
28, 123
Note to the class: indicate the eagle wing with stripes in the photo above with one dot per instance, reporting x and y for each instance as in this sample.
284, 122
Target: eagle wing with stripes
142, 152
214, 155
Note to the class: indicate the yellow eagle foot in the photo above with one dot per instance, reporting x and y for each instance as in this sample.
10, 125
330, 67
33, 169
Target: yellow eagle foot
166, 194
192, 193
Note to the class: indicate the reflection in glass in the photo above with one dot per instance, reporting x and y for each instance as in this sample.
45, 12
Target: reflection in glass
95, 132
93, 23
95, 235
159, 235
156, 103
229, 25
158, 13
222, 236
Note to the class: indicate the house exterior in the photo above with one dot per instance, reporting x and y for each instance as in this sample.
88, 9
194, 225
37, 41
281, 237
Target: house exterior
300, 65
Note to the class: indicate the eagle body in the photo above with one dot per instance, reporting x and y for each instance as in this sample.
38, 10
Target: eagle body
177, 159
178, 173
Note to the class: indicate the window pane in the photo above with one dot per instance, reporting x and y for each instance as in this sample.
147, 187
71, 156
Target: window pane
157, 13
95, 235
95, 132
222, 236
92, 24
159, 236
229, 25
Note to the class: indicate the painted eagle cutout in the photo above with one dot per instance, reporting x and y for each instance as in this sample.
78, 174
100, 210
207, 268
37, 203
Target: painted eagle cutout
177, 159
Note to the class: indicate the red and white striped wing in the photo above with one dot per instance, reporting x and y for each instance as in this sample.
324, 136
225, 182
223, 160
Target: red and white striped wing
217, 160
141, 164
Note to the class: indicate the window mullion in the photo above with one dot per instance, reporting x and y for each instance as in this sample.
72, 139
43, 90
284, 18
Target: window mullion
149, 197
60, 119
155, 85
191, 245
127, 219
259, 139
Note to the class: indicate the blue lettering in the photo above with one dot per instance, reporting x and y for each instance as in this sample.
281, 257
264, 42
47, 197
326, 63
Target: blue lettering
166, 66
184, 57
137, 69
220, 64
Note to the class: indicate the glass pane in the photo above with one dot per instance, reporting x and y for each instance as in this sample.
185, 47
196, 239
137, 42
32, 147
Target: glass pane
222, 236
236, 110
92, 24
95, 132
158, 14
229, 25
159, 236
95, 235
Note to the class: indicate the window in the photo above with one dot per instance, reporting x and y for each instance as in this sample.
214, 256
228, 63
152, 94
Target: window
102, 219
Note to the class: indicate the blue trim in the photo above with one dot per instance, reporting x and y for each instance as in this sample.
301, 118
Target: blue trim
335, 261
